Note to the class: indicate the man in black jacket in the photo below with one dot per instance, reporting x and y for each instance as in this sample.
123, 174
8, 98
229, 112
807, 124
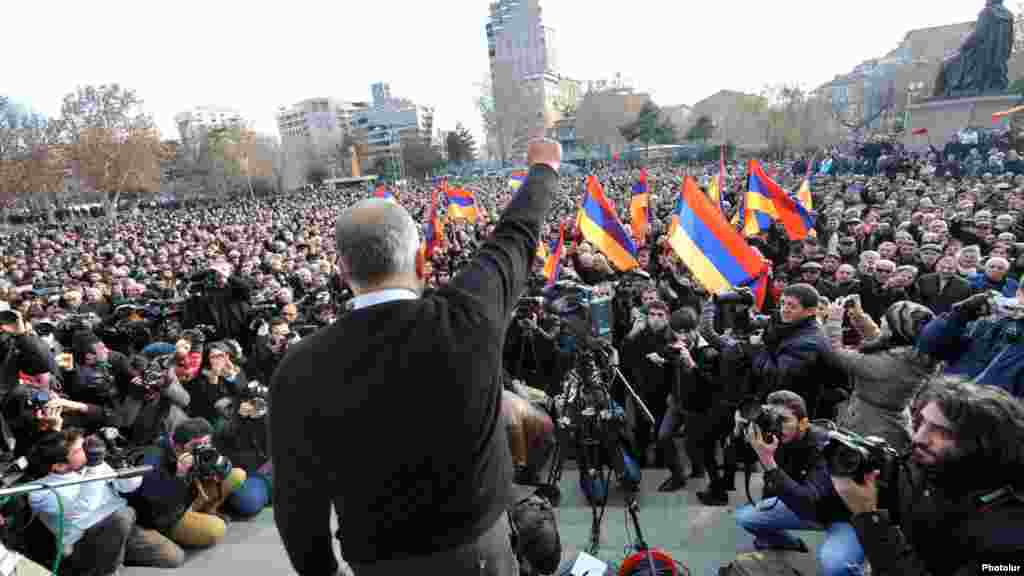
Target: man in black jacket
793, 353
798, 491
960, 502
428, 496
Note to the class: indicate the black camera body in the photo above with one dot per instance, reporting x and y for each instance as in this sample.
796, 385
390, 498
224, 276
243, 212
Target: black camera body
738, 298
767, 417
852, 456
208, 463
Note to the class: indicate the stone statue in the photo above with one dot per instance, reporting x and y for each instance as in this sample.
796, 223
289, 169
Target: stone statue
979, 67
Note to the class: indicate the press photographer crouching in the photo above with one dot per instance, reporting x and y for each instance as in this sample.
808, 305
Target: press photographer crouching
958, 503
99, 530
798, 491
181, 497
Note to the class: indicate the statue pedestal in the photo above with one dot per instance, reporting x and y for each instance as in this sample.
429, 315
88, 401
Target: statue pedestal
944, 118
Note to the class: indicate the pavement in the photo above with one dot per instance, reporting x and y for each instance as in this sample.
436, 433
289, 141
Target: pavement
701, 538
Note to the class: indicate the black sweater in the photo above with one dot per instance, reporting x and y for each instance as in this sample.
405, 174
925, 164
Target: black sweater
392, 413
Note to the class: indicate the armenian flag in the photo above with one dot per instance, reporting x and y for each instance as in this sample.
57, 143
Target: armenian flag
601, 227
717, 255
640, 209
766, 201
553, 263
462, 204
516, 180
433, 229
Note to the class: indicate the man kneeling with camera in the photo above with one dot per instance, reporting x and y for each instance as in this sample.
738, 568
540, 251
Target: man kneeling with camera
181, 497
958, 506
797, 486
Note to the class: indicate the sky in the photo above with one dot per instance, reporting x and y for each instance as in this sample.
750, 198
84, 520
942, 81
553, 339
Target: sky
256, 57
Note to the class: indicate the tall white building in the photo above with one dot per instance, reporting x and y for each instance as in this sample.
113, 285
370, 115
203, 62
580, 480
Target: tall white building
311, 131
519, 44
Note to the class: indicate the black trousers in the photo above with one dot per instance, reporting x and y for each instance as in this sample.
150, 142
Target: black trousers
100, 551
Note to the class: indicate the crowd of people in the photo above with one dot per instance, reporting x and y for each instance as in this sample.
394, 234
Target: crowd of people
151, 338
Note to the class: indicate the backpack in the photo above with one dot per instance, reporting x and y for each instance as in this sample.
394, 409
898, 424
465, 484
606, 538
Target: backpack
758, 564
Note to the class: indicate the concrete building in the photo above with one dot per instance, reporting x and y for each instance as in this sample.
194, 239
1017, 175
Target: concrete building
599, 116
385, 128
311, 132
729, 111
519, 45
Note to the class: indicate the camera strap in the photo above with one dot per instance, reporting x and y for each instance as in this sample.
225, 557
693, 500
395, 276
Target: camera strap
992, 500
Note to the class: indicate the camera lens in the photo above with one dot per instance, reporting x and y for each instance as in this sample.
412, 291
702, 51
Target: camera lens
846, 461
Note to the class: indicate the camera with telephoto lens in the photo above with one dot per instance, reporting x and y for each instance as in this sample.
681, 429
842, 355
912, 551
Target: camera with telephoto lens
850, 455
739, 298
767, 417
208, 463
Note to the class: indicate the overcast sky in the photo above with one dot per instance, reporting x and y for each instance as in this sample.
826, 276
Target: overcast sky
257, 56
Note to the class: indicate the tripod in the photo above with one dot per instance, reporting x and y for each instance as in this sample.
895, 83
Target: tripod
594, 428
646, 561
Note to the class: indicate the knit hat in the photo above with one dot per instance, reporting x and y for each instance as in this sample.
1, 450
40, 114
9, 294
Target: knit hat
906, 320
190, 429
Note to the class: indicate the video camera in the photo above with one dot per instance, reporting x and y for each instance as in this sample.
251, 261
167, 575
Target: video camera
587, 314
741, 319
852, 456
208, 463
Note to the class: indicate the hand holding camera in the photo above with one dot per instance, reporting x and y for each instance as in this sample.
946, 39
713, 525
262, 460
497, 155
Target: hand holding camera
974, 307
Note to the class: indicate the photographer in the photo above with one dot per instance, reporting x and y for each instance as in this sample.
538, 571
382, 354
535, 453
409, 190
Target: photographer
97, 523
530, 344
646, 351
20, 351
222, 301
181, 496
797, 487
214, 391
886, 371
271, 342
958, 503
793, 352
695, 365
979, 339
153, 406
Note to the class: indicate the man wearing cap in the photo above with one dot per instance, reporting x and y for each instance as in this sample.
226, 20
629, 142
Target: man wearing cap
173, 504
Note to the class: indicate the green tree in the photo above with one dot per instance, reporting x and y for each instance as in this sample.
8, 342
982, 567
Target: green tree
649, 127
460, 145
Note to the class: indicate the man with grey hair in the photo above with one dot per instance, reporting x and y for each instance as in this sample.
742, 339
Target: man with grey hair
392, 413
994, 278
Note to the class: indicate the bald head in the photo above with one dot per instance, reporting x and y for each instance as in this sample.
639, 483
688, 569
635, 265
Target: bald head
377, 242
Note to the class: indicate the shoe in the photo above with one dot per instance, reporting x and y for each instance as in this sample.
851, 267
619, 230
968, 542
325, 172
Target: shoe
795, 546
672, 484
713, 498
